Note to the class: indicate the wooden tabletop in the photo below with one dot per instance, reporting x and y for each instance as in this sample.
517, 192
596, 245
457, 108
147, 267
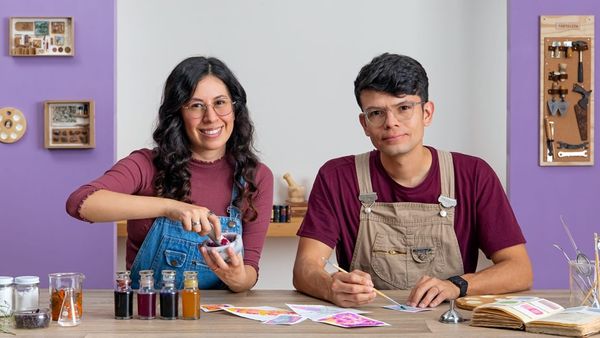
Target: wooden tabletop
98, 319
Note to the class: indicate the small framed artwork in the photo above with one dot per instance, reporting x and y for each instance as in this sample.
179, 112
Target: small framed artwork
43, 36
69, 124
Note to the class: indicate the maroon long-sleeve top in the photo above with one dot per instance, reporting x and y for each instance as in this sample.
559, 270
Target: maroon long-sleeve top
211, 185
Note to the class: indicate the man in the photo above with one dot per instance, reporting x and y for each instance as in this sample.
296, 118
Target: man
406, 215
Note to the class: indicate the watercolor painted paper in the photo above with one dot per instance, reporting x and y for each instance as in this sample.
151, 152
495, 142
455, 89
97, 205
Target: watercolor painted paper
214, 307
350, 319
316, 312
285, 320
260, 313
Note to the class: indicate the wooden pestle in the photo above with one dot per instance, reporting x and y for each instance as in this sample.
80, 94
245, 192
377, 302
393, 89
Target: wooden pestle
289, 180
295, 192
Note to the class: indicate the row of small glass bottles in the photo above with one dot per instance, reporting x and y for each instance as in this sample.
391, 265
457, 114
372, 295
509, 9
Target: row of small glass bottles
146, 296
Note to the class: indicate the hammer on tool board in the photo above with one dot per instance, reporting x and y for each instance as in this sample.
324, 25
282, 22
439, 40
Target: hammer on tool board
580, 46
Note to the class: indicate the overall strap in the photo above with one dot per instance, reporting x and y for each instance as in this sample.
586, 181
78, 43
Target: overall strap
232, 210
446, 173
235, 191
363, 173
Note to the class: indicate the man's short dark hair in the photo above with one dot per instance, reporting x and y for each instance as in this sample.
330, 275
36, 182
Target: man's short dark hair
393, 74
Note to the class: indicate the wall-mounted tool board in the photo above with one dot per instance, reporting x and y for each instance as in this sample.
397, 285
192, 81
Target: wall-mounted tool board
566, 122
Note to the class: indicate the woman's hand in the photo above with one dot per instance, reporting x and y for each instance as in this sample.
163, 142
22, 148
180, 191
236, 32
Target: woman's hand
233, 274
194, 218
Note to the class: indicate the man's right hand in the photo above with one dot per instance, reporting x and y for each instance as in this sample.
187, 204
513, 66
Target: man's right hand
342, 288
351, 289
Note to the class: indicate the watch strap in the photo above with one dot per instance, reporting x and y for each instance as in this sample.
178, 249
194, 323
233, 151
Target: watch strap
461, 283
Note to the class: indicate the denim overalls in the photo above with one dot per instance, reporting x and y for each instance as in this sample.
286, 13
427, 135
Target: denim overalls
168, 246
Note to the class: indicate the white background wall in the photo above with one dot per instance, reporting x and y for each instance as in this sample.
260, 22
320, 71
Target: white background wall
298, 61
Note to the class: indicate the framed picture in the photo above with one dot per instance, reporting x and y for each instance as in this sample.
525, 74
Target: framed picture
43, 36
566, 98
69, 124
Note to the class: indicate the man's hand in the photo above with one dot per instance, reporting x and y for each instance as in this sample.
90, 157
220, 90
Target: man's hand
342, 288
511, 272
430, 292
351, 289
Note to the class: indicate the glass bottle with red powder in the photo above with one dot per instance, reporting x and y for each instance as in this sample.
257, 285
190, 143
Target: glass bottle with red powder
146, 296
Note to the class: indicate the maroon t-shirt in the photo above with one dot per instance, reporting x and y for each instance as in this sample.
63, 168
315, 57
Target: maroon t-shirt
483, 218
211, 185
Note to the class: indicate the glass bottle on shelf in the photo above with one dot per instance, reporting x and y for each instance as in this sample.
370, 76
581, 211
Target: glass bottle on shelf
146, 296
190, 296
169, 296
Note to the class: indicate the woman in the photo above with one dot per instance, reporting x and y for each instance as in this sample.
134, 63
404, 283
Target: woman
204, 165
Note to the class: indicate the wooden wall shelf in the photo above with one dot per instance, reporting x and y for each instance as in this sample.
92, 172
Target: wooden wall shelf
275, 229
285, 229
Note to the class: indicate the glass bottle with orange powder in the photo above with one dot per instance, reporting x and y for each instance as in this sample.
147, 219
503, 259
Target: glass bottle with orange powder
190, 296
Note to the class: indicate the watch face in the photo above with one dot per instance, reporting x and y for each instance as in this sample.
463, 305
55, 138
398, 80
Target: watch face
460, 283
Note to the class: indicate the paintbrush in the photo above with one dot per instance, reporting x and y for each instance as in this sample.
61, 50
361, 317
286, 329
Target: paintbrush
377, 291
594, 288
597, 261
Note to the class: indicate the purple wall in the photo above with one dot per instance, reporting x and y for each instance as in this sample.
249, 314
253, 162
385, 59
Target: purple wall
540, 194
37, 237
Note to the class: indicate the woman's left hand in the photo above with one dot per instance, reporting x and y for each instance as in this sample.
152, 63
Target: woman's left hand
233, 273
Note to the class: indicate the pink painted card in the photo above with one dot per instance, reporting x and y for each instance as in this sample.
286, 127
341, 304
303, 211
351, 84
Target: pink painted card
349, 320
214, 307
261, 313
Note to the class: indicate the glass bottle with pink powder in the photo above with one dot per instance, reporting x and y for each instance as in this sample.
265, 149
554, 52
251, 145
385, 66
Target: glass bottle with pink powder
146, 296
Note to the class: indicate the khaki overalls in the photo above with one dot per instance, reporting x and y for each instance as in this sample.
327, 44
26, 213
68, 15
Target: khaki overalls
400, 242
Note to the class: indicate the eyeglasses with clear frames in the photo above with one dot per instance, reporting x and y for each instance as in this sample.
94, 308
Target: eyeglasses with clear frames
221, 106
403, 111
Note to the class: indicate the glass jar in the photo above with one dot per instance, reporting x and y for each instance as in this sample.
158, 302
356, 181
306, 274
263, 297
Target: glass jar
123, 296
61, 281
146, 296
27, 293
582, 285
169, 296
190, 296
7, 290
37, 319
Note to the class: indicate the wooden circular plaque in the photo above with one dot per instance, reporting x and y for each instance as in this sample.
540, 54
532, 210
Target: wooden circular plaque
12, 125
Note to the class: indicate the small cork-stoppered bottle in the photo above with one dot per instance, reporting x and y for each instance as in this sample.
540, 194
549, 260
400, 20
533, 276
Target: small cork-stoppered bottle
169, 296
123, 296
190, 295
146, 296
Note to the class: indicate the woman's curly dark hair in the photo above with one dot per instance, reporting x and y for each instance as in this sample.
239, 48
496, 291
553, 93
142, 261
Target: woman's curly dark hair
173, 151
